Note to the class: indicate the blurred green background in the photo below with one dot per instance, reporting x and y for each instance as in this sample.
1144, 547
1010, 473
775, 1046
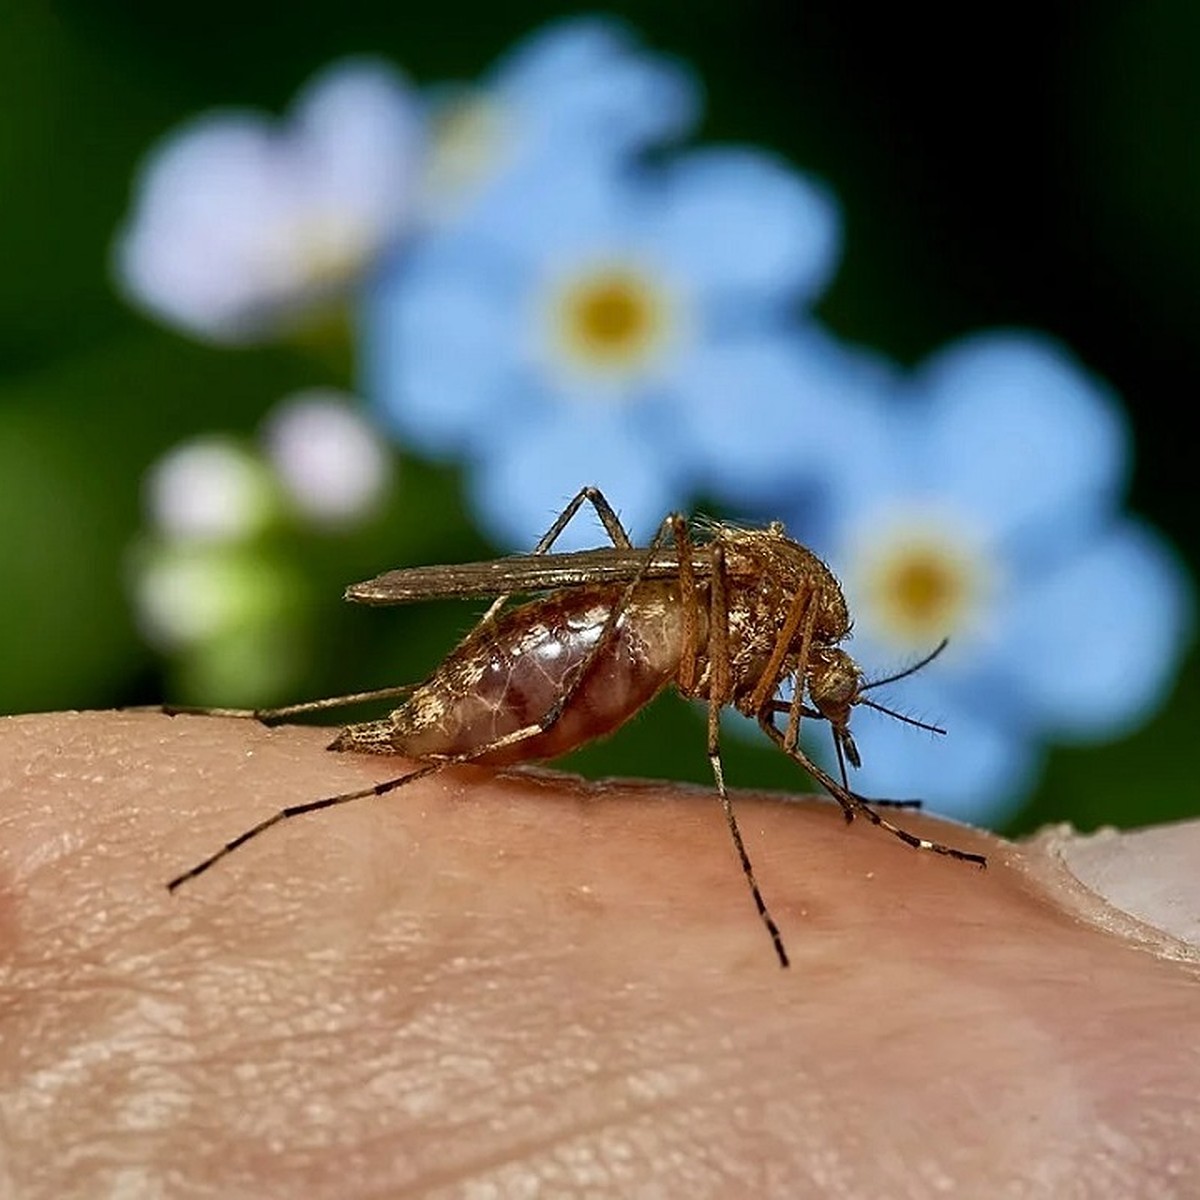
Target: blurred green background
1043, 174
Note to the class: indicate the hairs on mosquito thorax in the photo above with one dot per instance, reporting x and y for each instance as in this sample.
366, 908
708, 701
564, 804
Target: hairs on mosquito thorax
709, 526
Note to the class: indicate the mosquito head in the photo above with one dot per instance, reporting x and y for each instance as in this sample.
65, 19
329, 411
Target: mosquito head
836, 685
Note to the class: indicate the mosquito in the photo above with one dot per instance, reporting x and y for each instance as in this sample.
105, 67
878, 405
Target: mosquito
726, 614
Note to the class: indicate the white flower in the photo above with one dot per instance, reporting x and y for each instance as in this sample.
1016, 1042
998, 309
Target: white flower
334, 467
243, 227
210, 489
190, 595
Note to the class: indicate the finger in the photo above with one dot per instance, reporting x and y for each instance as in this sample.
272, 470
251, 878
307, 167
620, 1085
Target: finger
526, 981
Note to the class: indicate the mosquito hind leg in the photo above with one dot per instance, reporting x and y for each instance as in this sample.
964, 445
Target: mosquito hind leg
600, 505
299, 810
272, 716
345, 742
608, 518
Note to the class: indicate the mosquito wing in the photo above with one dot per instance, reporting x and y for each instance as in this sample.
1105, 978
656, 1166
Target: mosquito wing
522, 573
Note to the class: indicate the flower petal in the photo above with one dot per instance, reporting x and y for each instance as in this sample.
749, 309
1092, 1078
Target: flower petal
240, 223
748, 227
774, 413
211, 489
1021, 436
584, 84
441, 347
532, 471
331, 462
574, 208
359, 139
1093, 647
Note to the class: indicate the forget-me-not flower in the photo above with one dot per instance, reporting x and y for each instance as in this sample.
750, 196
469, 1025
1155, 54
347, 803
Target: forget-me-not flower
578, 91
243, 227
619, 327
332, 465
985, 510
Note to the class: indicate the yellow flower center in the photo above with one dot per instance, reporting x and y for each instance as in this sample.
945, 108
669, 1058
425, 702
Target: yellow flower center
331, 251
926, 588
304, 274
921, 581
611, 320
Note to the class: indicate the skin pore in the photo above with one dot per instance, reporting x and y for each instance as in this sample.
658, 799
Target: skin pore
521, 983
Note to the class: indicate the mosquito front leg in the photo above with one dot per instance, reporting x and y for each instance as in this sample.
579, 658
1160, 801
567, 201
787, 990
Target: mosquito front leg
800, 613
852, 804
775, 707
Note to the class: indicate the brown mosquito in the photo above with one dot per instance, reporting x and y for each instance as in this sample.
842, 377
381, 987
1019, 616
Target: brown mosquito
728, 615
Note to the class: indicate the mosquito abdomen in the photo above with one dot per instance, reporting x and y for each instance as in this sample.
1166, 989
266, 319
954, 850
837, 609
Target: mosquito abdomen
509, 675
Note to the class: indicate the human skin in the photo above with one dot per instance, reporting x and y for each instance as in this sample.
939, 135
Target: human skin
523, 984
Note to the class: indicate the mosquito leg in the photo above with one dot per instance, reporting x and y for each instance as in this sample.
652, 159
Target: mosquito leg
605, 511
299, 810
378, 789
775, 707
919, 843
719, 686
801, 613
714, 758
852, 804
271, 716
689, 595
533, 730
608, 518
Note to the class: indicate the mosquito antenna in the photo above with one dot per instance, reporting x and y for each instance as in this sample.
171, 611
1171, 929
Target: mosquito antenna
912, 670
891, 712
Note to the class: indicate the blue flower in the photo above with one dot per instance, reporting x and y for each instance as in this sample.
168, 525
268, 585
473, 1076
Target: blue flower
984, 509
628, 328
243, 228
578, 90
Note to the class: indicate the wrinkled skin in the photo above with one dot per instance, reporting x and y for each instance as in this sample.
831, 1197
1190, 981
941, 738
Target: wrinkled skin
526, 985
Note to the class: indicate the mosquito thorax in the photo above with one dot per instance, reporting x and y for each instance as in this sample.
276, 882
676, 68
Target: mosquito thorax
767, 571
